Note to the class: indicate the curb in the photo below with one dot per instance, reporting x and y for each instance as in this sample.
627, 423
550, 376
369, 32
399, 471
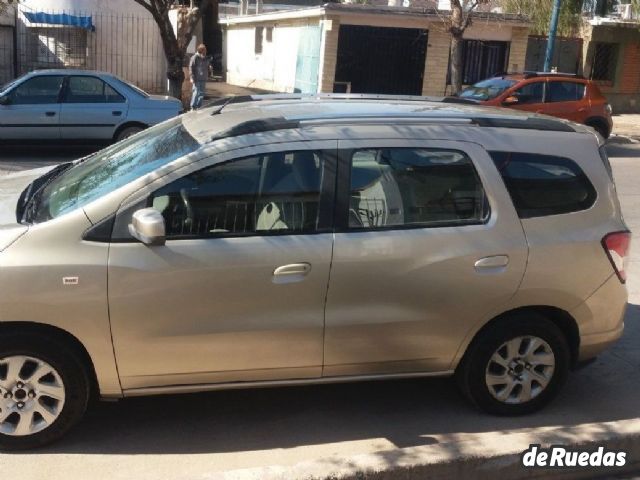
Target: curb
486, 456
621, 140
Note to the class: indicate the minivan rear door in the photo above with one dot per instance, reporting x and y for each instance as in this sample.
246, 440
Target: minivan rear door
427, 247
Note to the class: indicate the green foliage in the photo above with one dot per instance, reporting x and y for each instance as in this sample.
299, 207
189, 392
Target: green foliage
539, 12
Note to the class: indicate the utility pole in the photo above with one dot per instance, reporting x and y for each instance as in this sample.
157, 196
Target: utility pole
551, 40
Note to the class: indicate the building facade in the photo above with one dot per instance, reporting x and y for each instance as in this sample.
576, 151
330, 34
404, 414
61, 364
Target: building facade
116, 36
365, 49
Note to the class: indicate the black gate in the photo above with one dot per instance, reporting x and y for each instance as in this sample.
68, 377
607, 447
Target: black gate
481, 59
567, 54
7, 53
380, 60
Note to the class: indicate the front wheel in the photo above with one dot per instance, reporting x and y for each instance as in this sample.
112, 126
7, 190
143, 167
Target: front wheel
44, 391
515, 366
599, 127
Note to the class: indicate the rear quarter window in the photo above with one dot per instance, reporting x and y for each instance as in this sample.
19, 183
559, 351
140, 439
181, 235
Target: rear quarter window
542, 185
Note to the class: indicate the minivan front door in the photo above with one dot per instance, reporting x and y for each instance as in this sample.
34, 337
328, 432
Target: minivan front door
428, 245
237, 293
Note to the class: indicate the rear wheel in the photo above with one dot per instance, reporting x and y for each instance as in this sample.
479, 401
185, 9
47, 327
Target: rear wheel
128, 132
516, 366
44, 391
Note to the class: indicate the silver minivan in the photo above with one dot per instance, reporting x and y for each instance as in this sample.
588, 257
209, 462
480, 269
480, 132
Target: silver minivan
284, 240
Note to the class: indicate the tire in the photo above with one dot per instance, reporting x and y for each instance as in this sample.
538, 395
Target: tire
479, 367
68, 381
128, 132
599, 127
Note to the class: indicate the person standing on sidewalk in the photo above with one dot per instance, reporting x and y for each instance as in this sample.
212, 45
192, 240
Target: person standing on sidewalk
198, 74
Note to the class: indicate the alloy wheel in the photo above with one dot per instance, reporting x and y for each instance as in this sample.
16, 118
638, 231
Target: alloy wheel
520, 369
32, 395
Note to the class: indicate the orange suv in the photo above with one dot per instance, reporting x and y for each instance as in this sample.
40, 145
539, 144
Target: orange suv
561, 95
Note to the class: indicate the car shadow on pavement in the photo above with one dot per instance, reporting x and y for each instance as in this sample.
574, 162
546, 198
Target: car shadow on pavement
407, 413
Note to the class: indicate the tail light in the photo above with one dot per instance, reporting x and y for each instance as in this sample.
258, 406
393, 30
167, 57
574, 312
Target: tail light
616, 245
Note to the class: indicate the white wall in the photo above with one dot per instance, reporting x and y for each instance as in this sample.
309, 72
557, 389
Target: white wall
126, 41
275, 68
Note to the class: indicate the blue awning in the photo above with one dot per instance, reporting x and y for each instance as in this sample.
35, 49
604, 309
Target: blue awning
60, 19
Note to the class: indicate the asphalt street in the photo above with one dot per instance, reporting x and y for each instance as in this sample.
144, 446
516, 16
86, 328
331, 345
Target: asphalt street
199, 436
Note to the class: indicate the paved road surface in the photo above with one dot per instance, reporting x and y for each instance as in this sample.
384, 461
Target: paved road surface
195, 436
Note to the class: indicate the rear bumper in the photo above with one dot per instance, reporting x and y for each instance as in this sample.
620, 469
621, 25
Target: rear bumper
592, 345
601, 318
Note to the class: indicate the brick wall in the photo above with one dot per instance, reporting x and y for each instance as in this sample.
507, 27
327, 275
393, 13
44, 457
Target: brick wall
328, 55
518, 49
630, 78
437, 63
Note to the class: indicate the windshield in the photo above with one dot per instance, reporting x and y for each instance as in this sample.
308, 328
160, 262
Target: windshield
8, 85
487, 89
109, 169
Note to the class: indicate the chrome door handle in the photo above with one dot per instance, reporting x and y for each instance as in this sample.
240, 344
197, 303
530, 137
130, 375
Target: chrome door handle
292, 269
493, 263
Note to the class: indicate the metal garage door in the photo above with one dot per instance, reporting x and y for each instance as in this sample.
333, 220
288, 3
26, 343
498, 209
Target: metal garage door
381, 59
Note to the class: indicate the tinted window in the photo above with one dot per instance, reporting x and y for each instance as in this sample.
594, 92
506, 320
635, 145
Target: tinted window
276, 192
564, 91
90, 90
530, 93
406, 186
543, 184
37, 90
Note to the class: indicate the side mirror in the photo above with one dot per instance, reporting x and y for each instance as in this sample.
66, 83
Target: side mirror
511, 100
4, 100
147, 225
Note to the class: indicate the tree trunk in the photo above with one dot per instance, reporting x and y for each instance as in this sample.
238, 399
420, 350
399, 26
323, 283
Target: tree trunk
455, 58
175, 74
456, 63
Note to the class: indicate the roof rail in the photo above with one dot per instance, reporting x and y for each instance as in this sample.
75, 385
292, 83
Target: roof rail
224, 101
282, 123
533, 74
530, 74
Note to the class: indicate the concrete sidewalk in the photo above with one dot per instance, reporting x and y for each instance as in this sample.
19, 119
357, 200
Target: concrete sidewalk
626, 126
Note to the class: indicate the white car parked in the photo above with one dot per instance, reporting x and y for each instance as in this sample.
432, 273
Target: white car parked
78, 105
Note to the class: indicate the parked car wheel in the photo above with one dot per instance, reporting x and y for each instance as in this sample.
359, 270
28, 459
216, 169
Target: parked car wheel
516, 366
599, 126
44, 391
128, 132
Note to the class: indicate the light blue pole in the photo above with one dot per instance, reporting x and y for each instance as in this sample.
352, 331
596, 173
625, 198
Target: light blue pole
551, 41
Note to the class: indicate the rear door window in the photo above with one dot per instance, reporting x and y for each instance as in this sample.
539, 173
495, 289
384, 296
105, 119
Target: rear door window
564, 91
542, 185
397, 187
83, 89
